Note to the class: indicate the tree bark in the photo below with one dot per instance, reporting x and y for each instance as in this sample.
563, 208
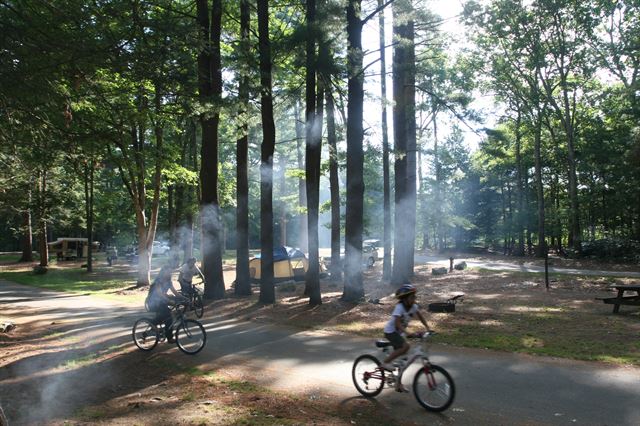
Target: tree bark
243, 283
267, 290
303, 242
353, 286
88, 195
210, 84
386, 238
520, 200
44, 248
540, 252
26, 239
405, 143
313, 152
336, 262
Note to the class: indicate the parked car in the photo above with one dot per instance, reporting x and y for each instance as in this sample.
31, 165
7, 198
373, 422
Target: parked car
160, 248
369, 254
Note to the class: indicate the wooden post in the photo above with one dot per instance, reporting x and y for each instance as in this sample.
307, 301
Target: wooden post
451, 264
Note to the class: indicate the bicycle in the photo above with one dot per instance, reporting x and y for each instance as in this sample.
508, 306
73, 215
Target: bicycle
194, 300
433, 386
190, 335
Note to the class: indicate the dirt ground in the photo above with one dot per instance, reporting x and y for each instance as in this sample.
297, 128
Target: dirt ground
505, 311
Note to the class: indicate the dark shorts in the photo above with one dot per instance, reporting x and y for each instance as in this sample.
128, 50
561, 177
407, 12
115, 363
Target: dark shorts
185, 287
396, 339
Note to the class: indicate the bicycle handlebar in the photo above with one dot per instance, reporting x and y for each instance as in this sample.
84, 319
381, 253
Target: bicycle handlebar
421, 334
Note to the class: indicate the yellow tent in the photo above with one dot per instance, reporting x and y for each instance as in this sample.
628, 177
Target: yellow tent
288, 264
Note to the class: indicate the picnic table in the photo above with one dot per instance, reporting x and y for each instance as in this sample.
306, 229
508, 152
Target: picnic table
621, 299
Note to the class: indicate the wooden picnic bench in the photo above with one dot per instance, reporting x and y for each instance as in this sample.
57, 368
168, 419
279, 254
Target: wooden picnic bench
621, 299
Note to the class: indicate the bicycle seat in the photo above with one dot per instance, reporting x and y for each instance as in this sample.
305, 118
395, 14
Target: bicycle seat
382, 343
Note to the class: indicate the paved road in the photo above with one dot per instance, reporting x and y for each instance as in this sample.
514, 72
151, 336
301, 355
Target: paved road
505, 265
500, 265
492, 388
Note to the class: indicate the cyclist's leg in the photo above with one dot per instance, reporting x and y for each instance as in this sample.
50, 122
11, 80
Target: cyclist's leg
185, 287
163, 315
400, 346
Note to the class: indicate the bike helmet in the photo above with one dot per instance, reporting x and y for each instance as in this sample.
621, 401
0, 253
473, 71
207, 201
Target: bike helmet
405, 291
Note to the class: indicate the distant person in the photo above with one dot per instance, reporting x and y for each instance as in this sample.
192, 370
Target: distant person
395, 329
112, 255
158, 300
187, 272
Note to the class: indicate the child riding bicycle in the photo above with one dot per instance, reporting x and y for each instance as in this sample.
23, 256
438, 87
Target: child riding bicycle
395, 329
185, 277
158, 300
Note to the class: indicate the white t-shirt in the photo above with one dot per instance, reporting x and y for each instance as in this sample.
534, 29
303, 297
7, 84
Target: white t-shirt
405, 316
187, 272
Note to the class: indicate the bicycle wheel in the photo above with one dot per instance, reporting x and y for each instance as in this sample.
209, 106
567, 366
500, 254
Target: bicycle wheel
367, 375
191, 337
197, 305
145, 334
434, 388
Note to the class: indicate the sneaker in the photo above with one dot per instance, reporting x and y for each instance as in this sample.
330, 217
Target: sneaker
387, 366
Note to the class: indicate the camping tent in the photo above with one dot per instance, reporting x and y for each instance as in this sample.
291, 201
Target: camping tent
288, 264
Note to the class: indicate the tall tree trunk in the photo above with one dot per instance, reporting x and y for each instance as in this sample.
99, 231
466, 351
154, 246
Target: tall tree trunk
282, 184
540, 252
438, 177
353, 286
386, 178
88, 196
42, 244
566, 112
26, 235
243, 283
405, 142
312, 284
267, 290
192, 195
171, 214
510, 211
210, 82
575, 231
505, 234
303, 242
313, 153
334, 186
520, 200
44, 248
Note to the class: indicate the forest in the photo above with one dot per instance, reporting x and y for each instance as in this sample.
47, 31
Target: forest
243, 125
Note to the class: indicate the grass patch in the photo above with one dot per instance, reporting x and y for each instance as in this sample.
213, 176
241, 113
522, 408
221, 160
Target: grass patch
9, 258
74, 363
91, 413
76, 280
241, 386
91, 358
545, 338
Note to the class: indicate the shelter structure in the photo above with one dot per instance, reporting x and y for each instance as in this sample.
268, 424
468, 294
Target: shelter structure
67, 248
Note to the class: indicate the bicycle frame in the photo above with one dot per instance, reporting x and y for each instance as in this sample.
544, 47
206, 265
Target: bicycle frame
418, 351
175, 321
